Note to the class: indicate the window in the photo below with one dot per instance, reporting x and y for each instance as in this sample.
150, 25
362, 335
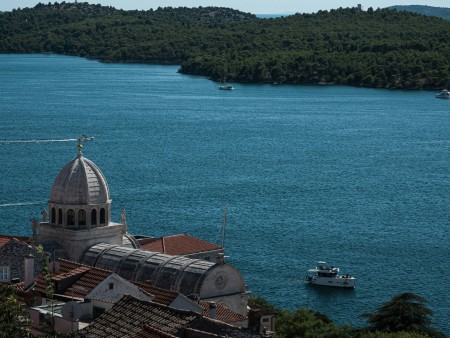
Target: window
102, 216
82, 217
94, 216
70, 217
4, 273
111, 286
97, 311
53, 220
207, 258
59, 216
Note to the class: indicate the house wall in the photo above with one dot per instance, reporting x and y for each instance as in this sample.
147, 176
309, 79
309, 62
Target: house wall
41, 320
12, 255
112, 289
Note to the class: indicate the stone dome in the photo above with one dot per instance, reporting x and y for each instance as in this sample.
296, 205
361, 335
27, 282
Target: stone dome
80, 182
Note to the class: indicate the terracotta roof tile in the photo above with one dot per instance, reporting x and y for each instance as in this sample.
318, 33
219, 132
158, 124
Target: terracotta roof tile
4, 239
85, 278
22, 295
223, 313
151, 332
130, 317
181, 244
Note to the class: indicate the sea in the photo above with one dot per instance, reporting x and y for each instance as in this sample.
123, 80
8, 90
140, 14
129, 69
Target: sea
291, 174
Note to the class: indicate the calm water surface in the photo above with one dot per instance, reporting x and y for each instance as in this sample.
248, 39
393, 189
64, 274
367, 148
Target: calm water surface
358, 177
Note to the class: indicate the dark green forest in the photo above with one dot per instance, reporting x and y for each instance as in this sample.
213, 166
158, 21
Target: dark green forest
380, 48
425, 10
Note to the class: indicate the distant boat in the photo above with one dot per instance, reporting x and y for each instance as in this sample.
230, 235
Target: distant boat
445, 94
328, 276
226, 87
84, 138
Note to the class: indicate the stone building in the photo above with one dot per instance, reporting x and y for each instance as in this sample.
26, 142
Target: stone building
17, 261
79, 227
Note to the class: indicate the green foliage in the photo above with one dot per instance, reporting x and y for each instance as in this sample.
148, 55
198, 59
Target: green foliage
425, 10
405, 312
379, 48
261, 303
14, 318
307, 323
49, 290
391, 335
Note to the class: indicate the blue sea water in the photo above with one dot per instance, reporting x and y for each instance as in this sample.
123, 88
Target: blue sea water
359, 177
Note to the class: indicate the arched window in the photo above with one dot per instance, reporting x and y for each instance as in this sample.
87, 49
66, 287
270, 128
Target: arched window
60, 216
70, 217
53, 216
102, 216
82, 217
94, 216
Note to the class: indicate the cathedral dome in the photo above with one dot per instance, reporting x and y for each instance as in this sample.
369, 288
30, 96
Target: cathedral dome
80, 182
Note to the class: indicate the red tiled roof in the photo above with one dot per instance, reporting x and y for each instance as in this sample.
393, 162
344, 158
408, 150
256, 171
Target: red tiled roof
4, 239
223, 313
131, 317
22, 295
181, 244
87, 282
86, 278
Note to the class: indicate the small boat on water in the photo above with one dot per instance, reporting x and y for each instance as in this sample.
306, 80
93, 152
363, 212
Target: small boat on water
329, 276
84, 138
445, 94
226, 87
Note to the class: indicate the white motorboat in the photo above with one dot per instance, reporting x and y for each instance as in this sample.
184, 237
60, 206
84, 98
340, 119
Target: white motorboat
84, 138
226, 87
329, 276
445, 94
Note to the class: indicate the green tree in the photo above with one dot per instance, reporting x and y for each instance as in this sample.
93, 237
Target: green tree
309, 324
49, 290
14, 318
404, 312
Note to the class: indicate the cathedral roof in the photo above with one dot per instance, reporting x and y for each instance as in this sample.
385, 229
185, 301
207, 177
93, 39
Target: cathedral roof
80, 182
188, 276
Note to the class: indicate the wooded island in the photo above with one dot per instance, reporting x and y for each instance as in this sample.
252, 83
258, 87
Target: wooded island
379, 48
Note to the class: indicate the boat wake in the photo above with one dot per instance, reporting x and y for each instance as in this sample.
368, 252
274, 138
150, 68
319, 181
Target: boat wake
19, 204
38, 141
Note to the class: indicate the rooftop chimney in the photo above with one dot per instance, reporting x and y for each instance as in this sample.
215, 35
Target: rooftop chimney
212, 310
29, 270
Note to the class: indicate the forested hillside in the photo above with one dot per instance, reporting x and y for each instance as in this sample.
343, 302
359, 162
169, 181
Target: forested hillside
425, 10
373, 48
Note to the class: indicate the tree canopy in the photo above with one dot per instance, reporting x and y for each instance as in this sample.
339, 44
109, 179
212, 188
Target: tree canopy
374, 48
406, 312
14, 319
